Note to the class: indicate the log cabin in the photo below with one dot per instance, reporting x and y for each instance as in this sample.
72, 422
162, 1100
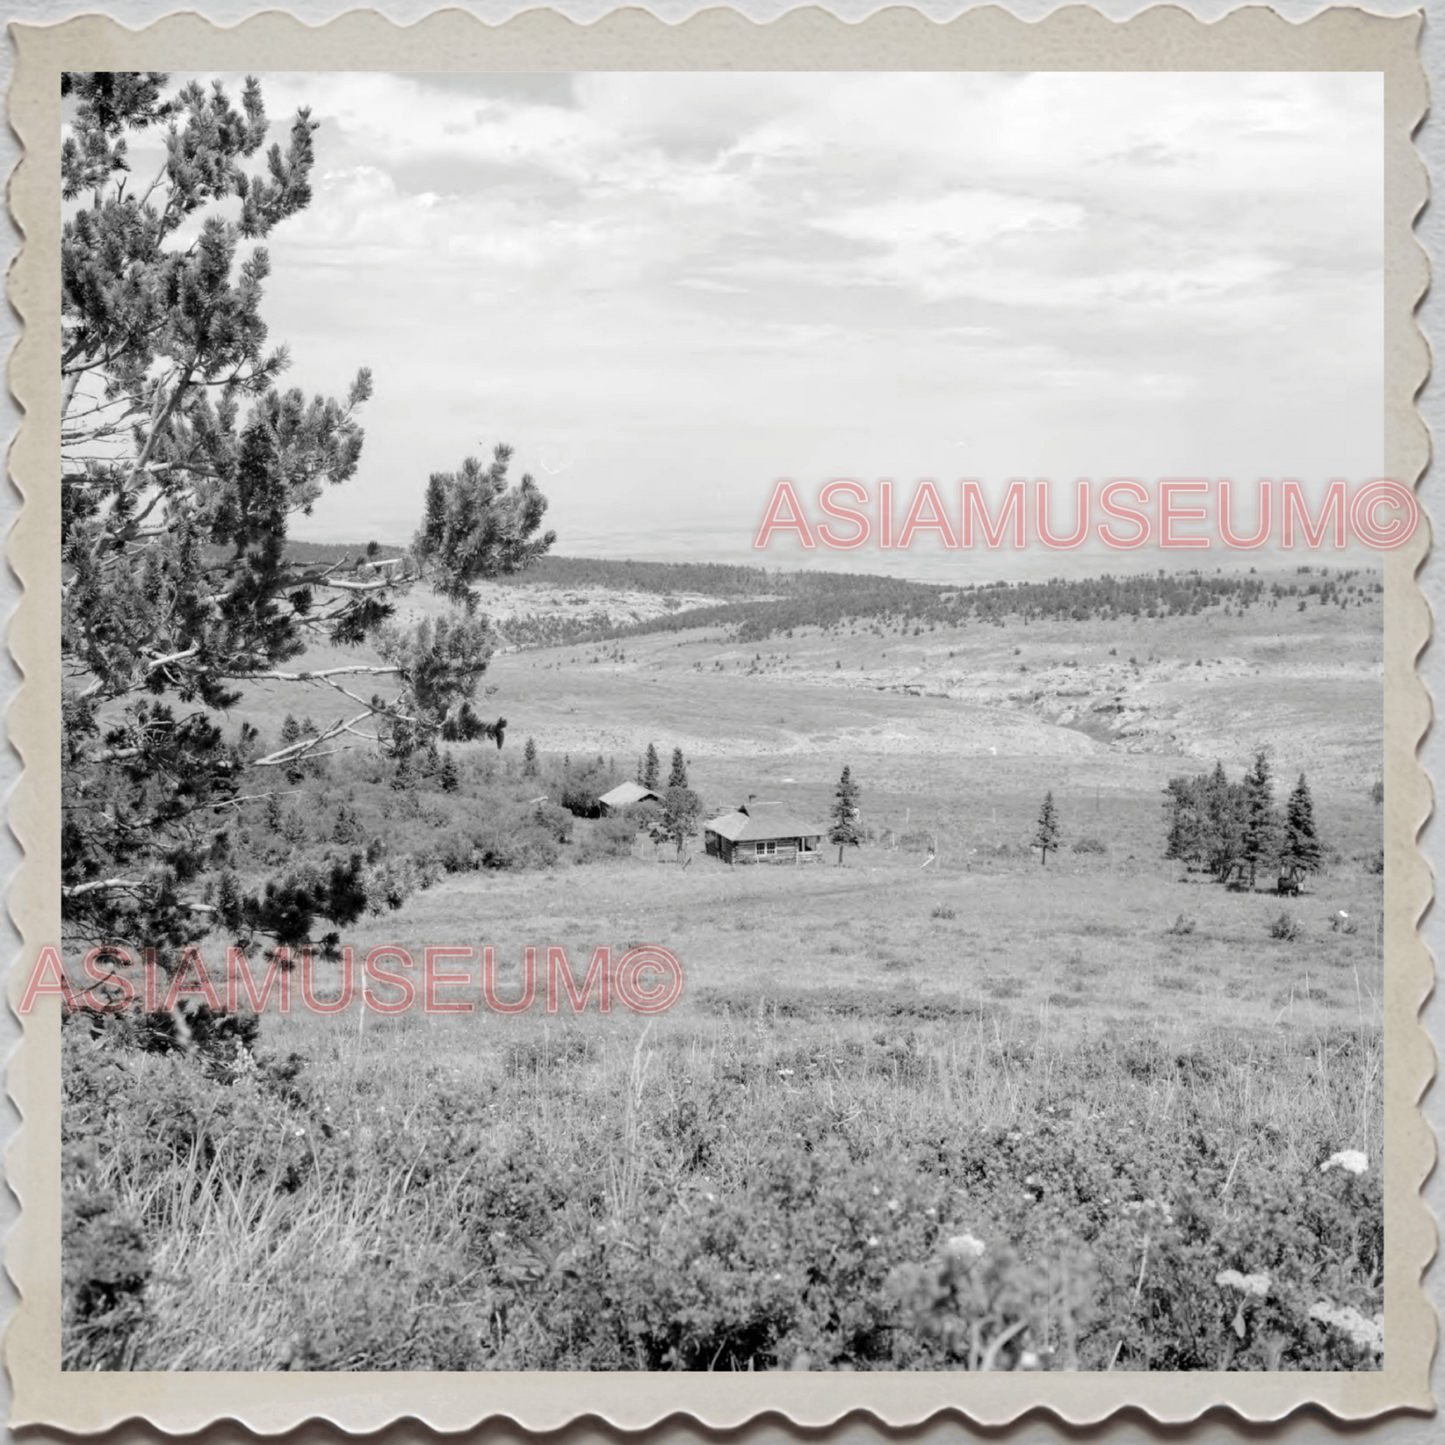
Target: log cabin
763, 833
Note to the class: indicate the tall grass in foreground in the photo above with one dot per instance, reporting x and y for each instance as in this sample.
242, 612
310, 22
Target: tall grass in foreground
793, 1183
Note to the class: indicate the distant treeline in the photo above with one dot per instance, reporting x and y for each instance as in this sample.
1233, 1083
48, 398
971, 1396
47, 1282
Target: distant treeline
831, 599
756, 604
709, 579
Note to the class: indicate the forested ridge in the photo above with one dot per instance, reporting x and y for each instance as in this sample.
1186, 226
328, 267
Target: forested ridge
757, 604
829, 599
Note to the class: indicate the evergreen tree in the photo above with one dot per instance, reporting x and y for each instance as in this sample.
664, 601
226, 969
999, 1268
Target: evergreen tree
477, 525
845, 830
182, 463
1300, 852
1224, 810
651, 768
1259, 835
1046, 837
450, 776
529, 759
677, 778
681, 810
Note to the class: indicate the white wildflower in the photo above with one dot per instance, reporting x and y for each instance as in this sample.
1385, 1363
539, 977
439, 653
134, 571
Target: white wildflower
894, 1205
1366, 1332
1255, 1284
785, 1073
964, 1246
872, 1241
1350, 1159
1028, 1360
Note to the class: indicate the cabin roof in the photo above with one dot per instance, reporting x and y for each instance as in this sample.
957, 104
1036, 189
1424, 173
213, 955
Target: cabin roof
626, 794
755, 822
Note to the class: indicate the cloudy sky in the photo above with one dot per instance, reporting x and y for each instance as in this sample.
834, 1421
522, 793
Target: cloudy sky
668, 291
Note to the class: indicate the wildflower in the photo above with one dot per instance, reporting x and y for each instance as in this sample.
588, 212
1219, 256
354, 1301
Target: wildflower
1255, 1284
1350, 1159
299, 1131
785, 1073
1028, 1360
894, 1205
872, 1241
1365, 1332
964, 1246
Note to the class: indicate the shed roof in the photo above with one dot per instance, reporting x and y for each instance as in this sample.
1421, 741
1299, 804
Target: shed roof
625, 794
759, 821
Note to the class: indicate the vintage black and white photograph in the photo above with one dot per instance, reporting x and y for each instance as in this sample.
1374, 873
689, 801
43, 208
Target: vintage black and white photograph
723, 721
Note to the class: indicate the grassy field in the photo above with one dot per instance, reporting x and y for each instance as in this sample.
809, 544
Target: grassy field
943, 1109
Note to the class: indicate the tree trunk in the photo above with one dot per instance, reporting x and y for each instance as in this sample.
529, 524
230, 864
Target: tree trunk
840, 855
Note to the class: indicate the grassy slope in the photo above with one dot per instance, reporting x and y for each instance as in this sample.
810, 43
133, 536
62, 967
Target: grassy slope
844, 1008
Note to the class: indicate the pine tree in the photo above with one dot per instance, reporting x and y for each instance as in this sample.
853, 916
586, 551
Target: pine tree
1259, 835
450, 776
677, 778
182, 463
529, 759
1300, 852
651, 769
1046, 837
681, 810
476, 524
1224, 809
845, 831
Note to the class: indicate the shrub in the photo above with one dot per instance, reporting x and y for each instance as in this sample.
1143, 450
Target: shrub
1090, 845
1182, 925
609, 838
1285, 927
942, 910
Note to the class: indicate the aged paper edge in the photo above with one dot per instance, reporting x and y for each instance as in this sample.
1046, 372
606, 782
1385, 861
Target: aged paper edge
1077, 38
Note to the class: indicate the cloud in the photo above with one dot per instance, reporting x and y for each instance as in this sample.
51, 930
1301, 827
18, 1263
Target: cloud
703, 280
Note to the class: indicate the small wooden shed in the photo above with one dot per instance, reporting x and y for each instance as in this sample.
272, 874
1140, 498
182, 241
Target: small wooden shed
763, 833
624, 795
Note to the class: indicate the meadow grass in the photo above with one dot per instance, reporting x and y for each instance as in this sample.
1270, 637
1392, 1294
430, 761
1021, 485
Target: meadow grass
771, 1172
